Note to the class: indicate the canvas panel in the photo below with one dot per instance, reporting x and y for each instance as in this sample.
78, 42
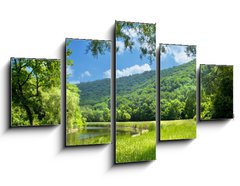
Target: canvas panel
36, 92
177, 92
216, 92
135, 138
88, 103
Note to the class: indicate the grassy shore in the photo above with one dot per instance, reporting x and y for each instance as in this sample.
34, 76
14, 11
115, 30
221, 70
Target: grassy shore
177, 129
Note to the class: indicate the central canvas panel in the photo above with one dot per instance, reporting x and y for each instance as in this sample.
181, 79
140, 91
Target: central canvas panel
177, 92
135, 92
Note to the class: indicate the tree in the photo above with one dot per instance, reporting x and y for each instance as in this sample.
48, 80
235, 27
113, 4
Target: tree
144, 39
31, 78
74, 115
216, 91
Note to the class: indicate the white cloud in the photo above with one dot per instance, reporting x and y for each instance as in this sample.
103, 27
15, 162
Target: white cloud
130, 32
69, 70
120, 46
107, 74
179, 54
136, 69
85, 74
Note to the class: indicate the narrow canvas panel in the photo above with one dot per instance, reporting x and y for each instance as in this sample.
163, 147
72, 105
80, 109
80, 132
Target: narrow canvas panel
216, 92
88, 102
36, 92
135, 92
177, 92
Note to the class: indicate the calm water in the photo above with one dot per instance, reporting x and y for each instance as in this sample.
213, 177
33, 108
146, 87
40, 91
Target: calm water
132, 130
92, 134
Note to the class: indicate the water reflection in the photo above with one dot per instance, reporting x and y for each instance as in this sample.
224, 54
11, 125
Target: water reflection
91, 134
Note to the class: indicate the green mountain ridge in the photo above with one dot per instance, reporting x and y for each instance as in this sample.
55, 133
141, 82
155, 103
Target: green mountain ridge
136, 94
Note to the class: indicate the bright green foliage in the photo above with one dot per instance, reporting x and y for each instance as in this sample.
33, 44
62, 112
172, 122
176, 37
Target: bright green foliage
216, 92
74, 117
35, 92
178, 92
178, 129
52, 99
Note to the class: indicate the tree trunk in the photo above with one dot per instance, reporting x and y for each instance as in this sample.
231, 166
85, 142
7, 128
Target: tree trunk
29, 113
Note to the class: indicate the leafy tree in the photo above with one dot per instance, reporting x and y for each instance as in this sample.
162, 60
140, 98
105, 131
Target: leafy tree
31, 81
98, 47
216, 92
145, 39
74, 115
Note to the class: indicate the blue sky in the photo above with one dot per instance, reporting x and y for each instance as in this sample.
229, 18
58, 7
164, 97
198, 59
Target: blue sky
175, 55
129, 63
86, 67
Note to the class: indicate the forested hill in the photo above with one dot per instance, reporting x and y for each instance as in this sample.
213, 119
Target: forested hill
97, 91
94, 92
189, 68
178, 92
136, 94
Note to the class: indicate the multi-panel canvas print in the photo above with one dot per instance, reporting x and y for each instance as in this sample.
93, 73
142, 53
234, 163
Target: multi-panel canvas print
177, 92
135, 138
88, 78
36, 92
216, 92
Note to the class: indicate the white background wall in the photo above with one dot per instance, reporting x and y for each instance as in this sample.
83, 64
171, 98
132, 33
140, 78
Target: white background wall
35, 156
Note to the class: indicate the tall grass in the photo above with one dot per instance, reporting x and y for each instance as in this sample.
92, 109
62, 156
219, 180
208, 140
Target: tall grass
136, 148
177, 129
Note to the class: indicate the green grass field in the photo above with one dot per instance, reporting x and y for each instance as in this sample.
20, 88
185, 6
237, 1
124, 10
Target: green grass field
136, 147
177, 129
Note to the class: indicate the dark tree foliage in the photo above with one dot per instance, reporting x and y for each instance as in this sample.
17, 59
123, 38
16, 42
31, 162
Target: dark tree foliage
144, 40
98, 47
216, 92
35, 92
191, 50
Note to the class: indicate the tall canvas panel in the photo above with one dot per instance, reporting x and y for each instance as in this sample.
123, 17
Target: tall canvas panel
36, 92
177, 92
216, 92
135, 137
88, 102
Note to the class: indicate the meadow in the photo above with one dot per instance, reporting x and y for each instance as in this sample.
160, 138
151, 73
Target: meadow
135, 141
178, 129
